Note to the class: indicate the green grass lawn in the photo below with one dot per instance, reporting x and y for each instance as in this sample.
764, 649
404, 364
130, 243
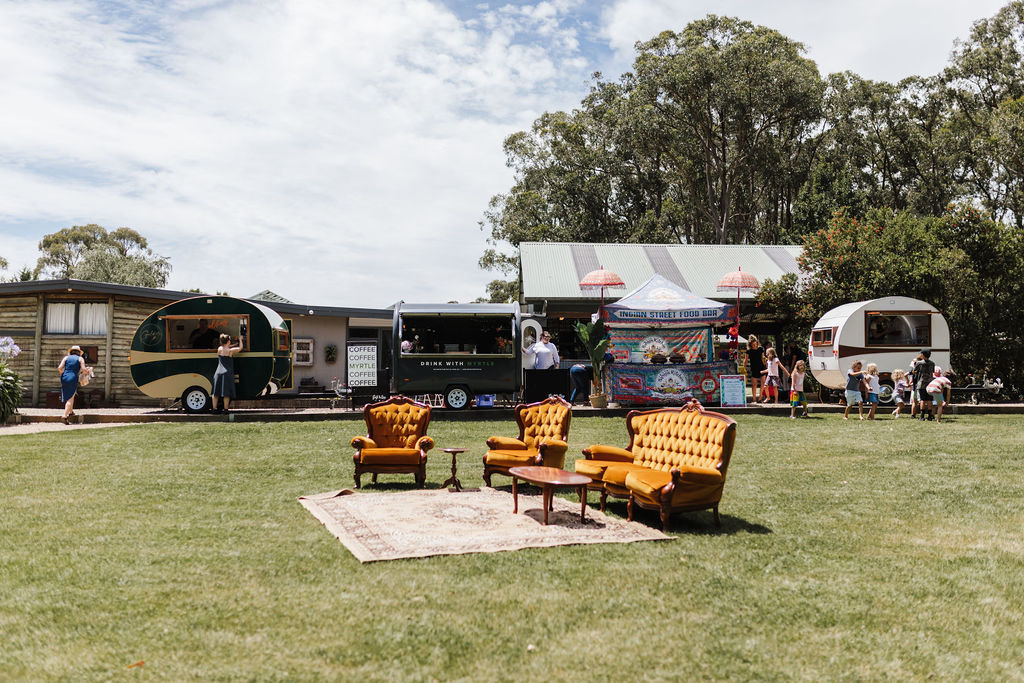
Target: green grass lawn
856, 550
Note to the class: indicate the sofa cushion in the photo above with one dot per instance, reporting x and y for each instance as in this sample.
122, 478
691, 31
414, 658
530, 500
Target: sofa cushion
514, 458
647, 485
390, 456
616, 474
595, 468
505, 443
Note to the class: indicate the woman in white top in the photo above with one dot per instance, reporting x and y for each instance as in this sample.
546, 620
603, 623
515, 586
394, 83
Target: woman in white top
545, 355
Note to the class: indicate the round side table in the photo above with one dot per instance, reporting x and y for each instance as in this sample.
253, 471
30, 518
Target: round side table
453, 480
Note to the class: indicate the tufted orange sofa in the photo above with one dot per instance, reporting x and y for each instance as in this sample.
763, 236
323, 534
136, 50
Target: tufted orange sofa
543, 430
676, 460
396, 440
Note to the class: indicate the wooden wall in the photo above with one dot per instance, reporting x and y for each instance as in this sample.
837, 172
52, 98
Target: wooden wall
21, 317
18, 321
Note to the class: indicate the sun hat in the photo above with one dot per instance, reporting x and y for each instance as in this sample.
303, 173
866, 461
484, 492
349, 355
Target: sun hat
76, 347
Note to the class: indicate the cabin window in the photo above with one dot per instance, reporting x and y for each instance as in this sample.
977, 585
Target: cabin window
898, 329
84, 318
202, 333
822, 337
302, 352
457, 335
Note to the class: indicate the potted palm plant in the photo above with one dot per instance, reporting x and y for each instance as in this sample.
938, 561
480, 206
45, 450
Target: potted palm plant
594, 341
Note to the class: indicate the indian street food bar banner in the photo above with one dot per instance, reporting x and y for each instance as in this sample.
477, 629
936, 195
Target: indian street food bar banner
660, 302
639, 345
658, 385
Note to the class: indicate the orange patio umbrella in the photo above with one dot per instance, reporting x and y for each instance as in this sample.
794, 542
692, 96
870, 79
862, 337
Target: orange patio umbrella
739, 281
601, 279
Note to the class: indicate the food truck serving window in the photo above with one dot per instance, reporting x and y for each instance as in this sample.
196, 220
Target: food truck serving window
202, 333
457, 335
822, 336
885, 328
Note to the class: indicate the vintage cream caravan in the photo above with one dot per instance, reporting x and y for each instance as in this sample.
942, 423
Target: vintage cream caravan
889, 332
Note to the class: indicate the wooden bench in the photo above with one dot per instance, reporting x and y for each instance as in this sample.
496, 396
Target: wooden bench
676, 460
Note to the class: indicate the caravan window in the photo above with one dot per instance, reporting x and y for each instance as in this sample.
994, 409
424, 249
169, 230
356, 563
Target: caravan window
457, 335
202, 333
822, 336
898, 329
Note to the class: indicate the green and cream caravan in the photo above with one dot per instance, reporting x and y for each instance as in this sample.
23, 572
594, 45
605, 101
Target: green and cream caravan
174, 351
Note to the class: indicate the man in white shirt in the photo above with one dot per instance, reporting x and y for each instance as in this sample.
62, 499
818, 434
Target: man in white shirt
545, 355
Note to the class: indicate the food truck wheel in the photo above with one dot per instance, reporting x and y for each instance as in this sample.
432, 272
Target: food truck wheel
456, 397
885, 391
195, 400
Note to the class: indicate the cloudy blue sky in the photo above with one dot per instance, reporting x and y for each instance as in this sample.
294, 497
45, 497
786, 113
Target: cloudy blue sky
340, 152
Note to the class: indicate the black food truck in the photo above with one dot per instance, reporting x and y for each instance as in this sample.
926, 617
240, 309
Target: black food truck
457, 350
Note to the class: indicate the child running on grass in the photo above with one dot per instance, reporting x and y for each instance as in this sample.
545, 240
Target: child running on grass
871, 375
771, 372
940, 389
796, 390
853, 378
900, 378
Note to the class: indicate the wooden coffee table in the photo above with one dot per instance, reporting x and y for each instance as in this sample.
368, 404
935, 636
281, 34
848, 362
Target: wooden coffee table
549, 479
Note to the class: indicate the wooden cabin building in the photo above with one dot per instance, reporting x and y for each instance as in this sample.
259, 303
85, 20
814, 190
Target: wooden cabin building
45, 317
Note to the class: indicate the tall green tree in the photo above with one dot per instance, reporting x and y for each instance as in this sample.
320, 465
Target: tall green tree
968, 265
985, 82
705, 142
90, 252
732, 93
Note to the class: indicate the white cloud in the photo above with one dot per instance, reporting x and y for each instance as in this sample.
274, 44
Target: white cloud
335, 152
877, 39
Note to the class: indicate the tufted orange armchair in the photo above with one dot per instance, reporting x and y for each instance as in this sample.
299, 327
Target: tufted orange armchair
676, 460
543, 430
396, 440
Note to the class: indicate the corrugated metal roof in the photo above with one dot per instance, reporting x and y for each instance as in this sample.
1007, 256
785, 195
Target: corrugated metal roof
37, 286
550, 268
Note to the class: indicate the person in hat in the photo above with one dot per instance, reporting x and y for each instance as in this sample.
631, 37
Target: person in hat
71, 368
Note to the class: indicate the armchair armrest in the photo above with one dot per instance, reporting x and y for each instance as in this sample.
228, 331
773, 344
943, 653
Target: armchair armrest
505, 443
425, 443
598, 452
552, 453
362, 442
696, 475
552, 446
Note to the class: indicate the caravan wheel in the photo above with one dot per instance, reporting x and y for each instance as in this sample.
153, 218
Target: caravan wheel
195, 400
885, 391
456, 397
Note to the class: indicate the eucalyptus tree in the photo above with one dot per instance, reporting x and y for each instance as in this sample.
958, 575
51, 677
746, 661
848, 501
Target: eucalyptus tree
985, 81
90, 252
732, 94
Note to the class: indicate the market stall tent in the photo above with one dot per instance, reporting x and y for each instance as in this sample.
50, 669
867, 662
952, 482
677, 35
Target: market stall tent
661, 339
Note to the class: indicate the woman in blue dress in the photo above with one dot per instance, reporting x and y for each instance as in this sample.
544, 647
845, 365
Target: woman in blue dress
70, 368
224, 377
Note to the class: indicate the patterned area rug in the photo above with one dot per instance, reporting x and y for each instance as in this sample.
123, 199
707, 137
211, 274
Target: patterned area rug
389, 526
